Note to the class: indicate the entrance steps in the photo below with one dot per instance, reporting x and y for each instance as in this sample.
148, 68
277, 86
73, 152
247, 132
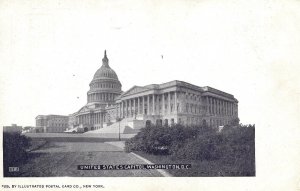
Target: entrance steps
126, 127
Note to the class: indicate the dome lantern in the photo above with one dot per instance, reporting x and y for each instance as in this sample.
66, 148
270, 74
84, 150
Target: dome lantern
105, 60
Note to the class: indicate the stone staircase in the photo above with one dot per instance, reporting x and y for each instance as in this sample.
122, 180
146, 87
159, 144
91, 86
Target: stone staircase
125, 128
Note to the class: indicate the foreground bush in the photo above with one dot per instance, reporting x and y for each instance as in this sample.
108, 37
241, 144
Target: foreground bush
14, 150
163, 140
233, 148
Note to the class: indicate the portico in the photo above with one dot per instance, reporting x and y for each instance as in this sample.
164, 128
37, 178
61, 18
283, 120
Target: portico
176, 102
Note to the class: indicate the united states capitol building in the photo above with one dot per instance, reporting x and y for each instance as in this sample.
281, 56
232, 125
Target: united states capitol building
166, 104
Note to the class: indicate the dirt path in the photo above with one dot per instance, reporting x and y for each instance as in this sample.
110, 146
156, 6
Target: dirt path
62, 158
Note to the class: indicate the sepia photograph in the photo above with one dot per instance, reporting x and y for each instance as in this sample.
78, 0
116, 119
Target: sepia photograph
169, 129
190, 94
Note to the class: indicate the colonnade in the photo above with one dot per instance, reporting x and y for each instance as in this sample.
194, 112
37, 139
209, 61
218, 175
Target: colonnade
90, 118
220, 107
152, 104
101, 97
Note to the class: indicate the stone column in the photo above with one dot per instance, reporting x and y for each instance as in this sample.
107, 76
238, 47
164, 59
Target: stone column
207, 105
175, 102
227, 108
218, 107
163, 104
169, 102
124, 106
211, 105
127, 108
223, 108
143, 106
96, 118
153, 104
223, 112
148, 104
130, 108
134, 110
233, 109
138, 107
101, 122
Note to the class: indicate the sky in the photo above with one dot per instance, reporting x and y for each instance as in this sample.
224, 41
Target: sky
51, 50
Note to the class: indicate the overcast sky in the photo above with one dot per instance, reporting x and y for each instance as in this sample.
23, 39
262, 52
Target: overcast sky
51, 50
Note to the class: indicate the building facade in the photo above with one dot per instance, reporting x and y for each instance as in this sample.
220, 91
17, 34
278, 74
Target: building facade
51, 123
174, 102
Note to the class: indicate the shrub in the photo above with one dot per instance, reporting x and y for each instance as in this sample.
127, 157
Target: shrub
14, 150
162, 140
204, 147
232, 149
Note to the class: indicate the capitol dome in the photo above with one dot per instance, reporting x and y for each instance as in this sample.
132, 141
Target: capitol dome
105, 71
105, 86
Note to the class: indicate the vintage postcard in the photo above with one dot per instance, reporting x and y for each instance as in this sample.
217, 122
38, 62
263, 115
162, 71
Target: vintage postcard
149, 95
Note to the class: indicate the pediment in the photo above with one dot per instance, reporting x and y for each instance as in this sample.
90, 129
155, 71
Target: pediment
134, 90
84, 109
